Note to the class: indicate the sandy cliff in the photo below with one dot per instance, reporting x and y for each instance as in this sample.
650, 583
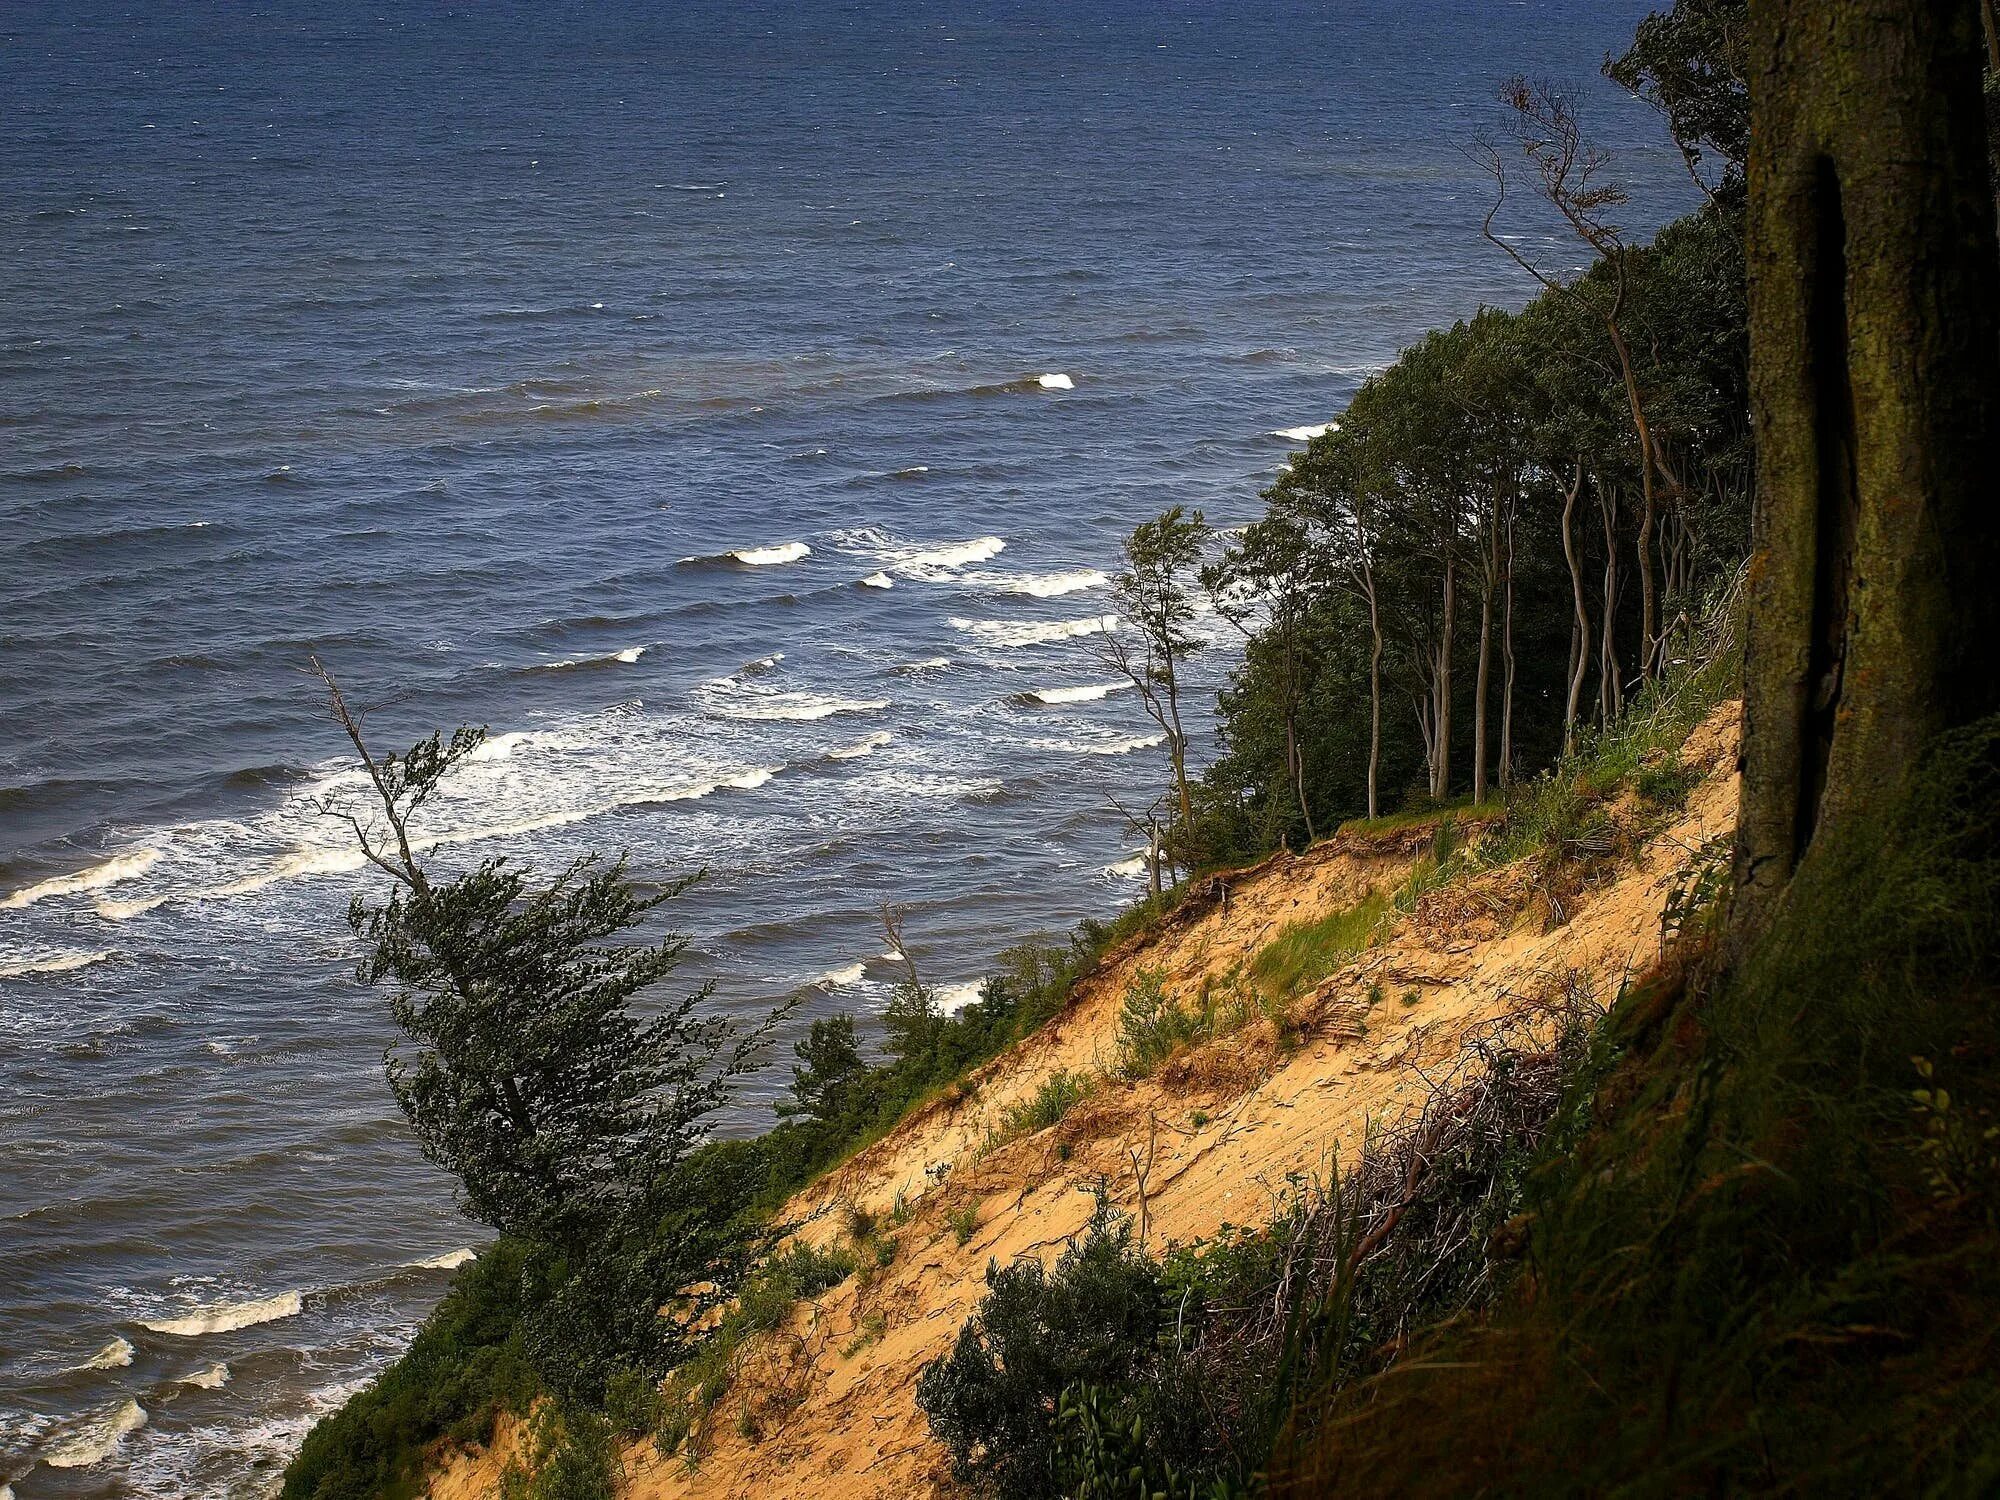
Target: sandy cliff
827, 1406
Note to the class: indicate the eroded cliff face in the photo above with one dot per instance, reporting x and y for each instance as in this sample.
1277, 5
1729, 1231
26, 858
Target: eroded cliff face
826, 1407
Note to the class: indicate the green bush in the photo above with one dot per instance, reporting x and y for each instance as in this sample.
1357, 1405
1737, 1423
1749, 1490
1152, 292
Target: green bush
1059, 1093
571, 1454
1303, 954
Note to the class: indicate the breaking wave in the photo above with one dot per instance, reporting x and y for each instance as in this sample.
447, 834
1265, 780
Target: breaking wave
754, 557
1013, 633
865, 748
1045, 585
1304, 434
17, 966
115, 1355
227, 1317
1089, 693
127, 866
94, 1438
610, 659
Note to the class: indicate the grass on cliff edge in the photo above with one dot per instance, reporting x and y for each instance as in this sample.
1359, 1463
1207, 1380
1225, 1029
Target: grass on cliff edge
1773, 1263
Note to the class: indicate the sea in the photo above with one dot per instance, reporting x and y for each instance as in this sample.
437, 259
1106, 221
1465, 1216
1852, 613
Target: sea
734, 407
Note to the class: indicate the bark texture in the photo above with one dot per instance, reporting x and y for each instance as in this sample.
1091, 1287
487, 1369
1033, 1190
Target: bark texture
1875, 360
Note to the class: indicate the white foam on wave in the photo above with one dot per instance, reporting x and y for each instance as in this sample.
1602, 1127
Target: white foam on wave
1304, 434
1089, 693
49, 961
451, 1260
1124, 745
127, 866
227, 1317
862, 749
627, 656
94, 1438
953, 998
1055, 380
732, 698
878, 581
1128, 869
957, 554
842, 977
1045, 585
764, 557
1011, 633
115, 1355
501, 746
209, 1378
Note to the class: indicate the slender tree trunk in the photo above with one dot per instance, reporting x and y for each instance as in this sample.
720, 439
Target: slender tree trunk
1648, 603
1441, 773
1610, 691
1482, 677
1874, 367
1374, 696
1507, 651
1579, 653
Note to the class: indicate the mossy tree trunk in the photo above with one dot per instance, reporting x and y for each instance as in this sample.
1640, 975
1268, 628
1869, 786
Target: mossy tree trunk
1875, 581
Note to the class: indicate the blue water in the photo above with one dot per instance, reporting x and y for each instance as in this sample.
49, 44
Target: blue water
436, 341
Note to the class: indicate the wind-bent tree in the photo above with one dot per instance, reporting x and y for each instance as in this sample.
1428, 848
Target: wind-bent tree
569, 1118
1156, 594
1875, 362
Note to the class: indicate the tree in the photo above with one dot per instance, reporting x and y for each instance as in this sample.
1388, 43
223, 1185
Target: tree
1568, 169
1156, 592
569, 1119
829, 1066
1269, 575
1875, 363
1688, 63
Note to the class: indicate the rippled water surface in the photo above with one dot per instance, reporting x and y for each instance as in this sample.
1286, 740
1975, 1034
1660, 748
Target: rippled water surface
736, 407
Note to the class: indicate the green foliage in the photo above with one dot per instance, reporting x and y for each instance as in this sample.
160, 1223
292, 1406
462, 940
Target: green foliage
830, 1066
464, 1368
1305, 953
1058, 1094
992, 1399
964, 1223
571, 1453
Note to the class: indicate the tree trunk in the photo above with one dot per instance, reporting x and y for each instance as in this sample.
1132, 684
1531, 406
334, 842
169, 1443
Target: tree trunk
1441, 765
1489, 568
1507, 650
1374, 697
1874, 587
1610, 692
1579, 656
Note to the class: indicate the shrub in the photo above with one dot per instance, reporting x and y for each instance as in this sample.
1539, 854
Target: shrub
991, 1400
964, 1222
1059, 1093
571, 1454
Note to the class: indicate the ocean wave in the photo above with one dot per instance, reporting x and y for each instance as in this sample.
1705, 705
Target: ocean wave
1055, 380
953, 998
1128, 869
127, 866
1303, 434
842, 977
609, 659
864, 748
1044, 585
878, 581
209, 1378
92, 1439
451, 1260
60, 961
115, 1355
956, 554
1120, 745
928, 664
1013, 633
732, 698
227, 1317
754, 557
1089, 693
